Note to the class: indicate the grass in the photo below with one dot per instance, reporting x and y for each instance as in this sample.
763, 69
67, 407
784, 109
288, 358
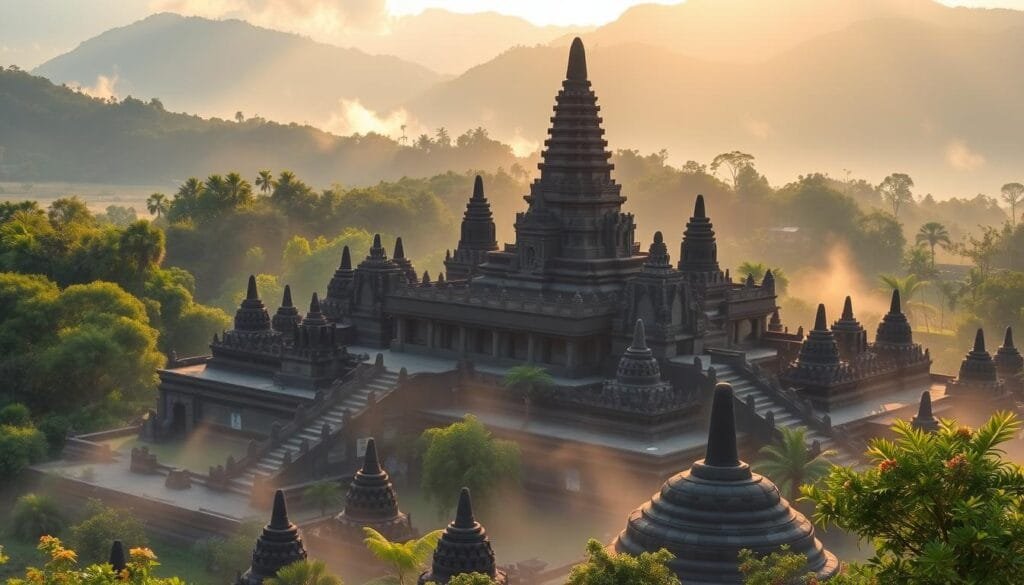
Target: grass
177, 560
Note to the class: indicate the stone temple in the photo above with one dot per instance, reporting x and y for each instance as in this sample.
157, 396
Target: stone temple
635, 341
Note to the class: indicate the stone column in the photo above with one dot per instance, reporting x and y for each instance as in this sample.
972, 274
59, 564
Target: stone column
430, 334
461, 346
571, 349
531, 348
496, 344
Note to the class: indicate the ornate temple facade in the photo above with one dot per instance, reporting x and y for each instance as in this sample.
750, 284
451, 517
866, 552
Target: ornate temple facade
635, 344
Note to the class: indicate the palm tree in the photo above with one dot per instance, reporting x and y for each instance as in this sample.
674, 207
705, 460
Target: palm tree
755, 269
157, 204
142, 246
790, 464
528, 381
933, 233
265, 181
237, 190
307, 572
1012, 194
406, 558
950, 293
324, 495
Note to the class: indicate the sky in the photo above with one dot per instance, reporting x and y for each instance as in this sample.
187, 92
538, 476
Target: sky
32, 31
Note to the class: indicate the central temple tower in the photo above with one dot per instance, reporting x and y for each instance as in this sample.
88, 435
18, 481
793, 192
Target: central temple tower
574, 234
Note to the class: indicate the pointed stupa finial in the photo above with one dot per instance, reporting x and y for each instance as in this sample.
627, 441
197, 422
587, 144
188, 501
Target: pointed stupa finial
464, 514
848, 309
426, 277
376, 241
924, 410
314, 304
659, 238
698, 207
399, 252
820, 323
287, 300
639, 336
722, 451
894, 306
979, 341
371, 464
346, 259
251, 294
279, 517
478, 188
1008, 338
577, 69
118, 560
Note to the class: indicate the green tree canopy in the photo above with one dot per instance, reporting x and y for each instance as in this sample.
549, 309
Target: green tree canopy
939, 508
606, 568
465, 454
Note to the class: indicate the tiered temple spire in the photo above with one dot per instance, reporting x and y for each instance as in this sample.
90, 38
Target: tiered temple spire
706, 515
336, 304
698, 254
278, 546
400, 259
371, 501
287, 316
477, 236
894, 333
252, 315
463, 548
658, 260
849, 333
1009, 362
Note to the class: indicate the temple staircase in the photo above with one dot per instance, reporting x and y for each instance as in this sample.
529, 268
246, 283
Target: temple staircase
745, 385
355, 402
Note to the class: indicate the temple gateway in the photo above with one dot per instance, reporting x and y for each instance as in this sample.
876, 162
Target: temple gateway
634, 339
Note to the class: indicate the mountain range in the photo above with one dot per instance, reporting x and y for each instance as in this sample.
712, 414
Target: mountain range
873, 86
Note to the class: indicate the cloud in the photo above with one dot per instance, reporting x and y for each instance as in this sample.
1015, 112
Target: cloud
758, 128
320, 19
355, 118
104, 88
961, 158
522, 146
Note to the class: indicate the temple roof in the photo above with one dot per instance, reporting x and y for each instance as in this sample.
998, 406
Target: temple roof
637, 366
377, 256
707, 514
894, 330
287, 316
279, 545
978, 365
924, 420
400, 259
371, 500
463, 548
658, 260
699, 250
820, 347
1008, 359
847, 322
252, 313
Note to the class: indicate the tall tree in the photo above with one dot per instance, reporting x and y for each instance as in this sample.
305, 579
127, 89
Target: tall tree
157, 204
465, 454
790, 463
735, 161
940, 507
896, 191
265, 181
1012, 195
407, 558
933, 233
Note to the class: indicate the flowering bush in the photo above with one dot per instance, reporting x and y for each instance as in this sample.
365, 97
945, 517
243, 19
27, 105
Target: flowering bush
62, 568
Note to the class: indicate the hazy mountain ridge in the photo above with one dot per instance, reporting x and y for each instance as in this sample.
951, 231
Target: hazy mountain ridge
215, 68
756, 30
877, 96
53, 133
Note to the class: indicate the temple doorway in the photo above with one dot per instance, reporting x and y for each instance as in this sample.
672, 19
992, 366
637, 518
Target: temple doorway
179, 419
